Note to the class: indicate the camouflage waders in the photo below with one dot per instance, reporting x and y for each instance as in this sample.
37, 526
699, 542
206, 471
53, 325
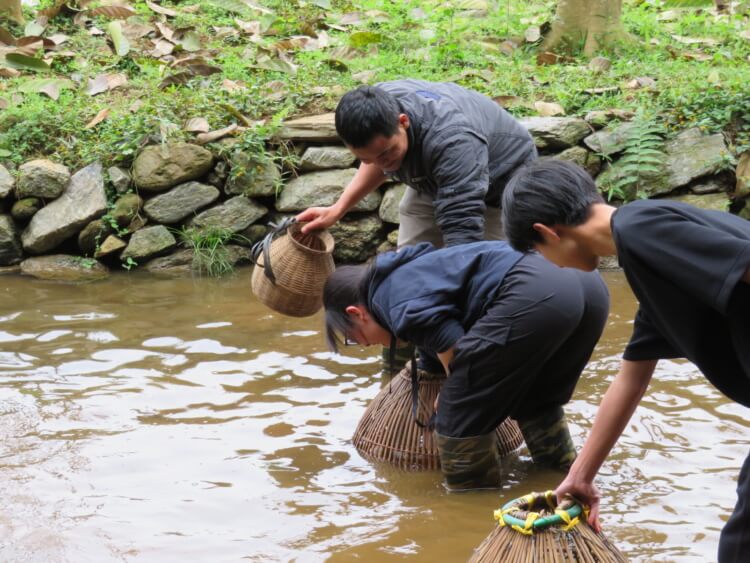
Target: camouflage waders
469, 463
548, 439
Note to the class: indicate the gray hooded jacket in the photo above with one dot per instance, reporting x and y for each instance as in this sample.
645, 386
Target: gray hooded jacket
463, 147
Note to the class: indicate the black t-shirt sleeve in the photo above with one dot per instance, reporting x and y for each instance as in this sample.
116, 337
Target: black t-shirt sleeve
704, 253
647, 343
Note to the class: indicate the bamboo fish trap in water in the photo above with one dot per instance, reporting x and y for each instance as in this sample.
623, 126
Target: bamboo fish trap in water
388, 431
535, 529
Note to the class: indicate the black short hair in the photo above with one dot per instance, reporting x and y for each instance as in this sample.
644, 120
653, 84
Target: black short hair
548, 191
364, 113
344, 287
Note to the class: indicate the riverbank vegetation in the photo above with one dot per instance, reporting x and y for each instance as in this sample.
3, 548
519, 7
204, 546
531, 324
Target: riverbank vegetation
98, 80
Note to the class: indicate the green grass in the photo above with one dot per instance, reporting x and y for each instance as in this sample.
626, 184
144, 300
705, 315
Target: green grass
441, 43
210, 254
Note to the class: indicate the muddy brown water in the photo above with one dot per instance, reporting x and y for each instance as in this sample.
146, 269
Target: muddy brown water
146, 419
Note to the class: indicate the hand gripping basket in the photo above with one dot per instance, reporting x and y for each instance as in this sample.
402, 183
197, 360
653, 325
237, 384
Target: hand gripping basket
291, 270
390, 430
535, 528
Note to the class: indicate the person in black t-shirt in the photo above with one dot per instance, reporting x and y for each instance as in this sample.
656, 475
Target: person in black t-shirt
690, 271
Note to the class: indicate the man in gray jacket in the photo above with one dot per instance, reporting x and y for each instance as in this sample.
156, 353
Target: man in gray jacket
454, 148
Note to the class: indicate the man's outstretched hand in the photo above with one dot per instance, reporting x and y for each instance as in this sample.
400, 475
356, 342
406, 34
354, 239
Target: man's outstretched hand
317, 218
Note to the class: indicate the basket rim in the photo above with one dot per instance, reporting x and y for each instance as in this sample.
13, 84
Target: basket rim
325, 237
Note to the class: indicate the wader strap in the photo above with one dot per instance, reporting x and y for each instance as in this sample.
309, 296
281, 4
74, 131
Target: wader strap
264, 246
430, 424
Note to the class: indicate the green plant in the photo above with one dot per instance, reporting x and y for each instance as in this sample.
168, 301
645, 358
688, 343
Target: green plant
129, 263
641, 158
87, 263
210, 255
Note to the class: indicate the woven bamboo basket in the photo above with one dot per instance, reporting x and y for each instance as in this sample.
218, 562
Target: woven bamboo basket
298, 267
387, 432
535, 529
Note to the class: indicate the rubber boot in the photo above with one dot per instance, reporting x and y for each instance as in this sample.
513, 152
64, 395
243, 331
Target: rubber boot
548, 439
469, 463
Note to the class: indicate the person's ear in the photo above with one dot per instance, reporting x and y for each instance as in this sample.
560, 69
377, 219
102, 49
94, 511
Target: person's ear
355, 312
550, 235
403, 120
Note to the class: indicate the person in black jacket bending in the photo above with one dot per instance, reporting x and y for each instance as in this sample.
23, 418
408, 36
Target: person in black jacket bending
513, 332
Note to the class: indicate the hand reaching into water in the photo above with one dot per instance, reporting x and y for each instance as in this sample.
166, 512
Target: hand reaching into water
585, 492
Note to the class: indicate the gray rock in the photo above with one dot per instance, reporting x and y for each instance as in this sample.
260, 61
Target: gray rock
149, 242
42, 178
120, 179
83, 200
11, 251
717, 202
556, 132
92, 235
64, 267
251, 235
601, 118
180, 202
235, 214
110, 245
583, 158
708, 186
160, 167
24, 209
10, 270
357, 238
688, 156
742, 187
692, 155
314, 128
183, 261
390, 243
218, 176
6, 182
322, 189
389, 206
252, 177
126, 208
323, 158
611, 140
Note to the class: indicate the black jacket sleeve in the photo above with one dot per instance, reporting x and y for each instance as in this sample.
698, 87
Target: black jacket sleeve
459, 162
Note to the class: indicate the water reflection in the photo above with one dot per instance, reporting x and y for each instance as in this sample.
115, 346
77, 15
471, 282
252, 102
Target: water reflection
144, 419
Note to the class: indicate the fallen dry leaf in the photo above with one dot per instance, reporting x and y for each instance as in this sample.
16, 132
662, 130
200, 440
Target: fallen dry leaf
232, 85
603, 90
548, 109
212, 136
695, 40
197, 125
548, 58
641, 82
510, 101
135, 106
9, 72
162, 47
101, 116
365, 76
105, 82
160, 10
532, 34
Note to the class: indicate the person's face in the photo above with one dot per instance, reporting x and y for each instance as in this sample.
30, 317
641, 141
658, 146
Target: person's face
387, 153
563, 249
365, 331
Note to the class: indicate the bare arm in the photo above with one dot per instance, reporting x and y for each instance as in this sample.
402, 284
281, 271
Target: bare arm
445, 359
367, 179
615, 410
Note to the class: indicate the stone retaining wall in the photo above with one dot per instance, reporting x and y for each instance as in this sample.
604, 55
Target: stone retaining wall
55, 223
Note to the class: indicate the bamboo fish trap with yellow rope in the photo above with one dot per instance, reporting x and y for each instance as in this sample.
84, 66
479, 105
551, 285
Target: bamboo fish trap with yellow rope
290, 271
535, 529
390, 430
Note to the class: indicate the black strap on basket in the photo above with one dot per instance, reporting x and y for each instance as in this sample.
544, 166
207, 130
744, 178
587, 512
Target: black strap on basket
264, 246
430, 424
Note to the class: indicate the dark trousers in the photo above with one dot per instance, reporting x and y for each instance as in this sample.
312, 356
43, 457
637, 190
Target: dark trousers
734, 544
526, 353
